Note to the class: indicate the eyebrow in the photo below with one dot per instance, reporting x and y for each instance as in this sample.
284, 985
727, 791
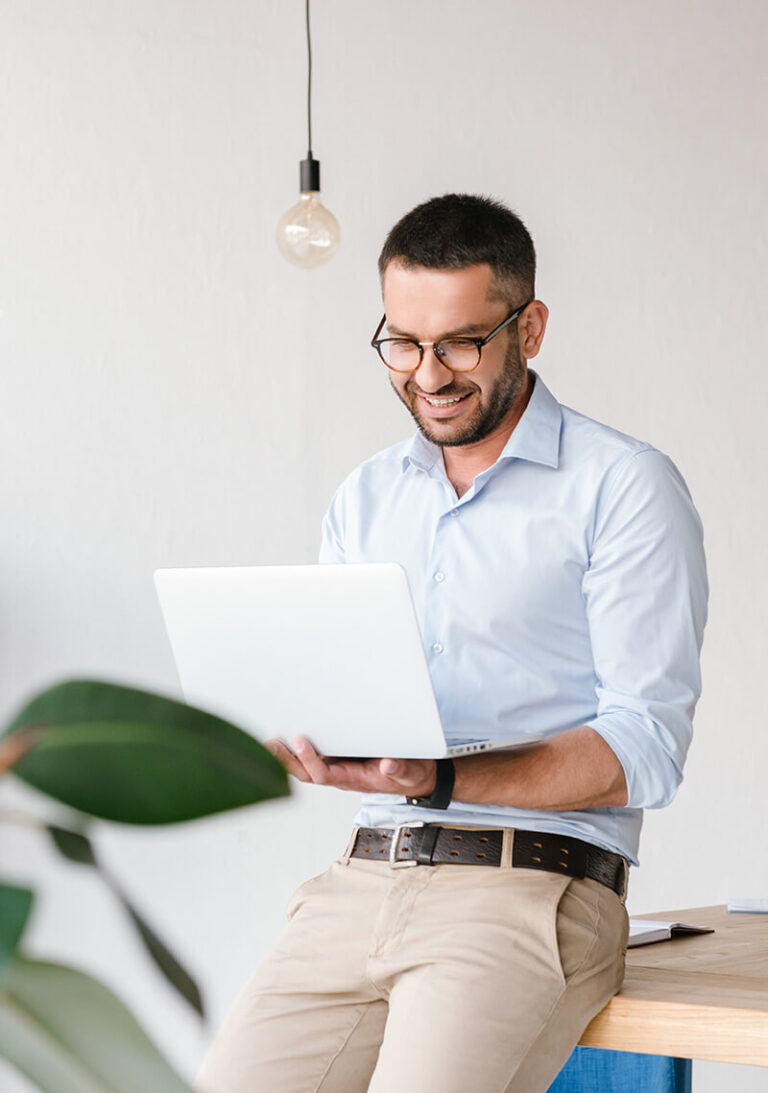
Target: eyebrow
472, 328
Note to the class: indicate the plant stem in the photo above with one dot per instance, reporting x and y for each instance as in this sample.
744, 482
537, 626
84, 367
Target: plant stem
22, 819
13, 747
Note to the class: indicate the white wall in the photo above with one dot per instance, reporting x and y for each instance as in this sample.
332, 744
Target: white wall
174, 393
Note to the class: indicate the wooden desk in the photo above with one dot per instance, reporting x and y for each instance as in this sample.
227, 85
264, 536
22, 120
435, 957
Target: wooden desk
701, 997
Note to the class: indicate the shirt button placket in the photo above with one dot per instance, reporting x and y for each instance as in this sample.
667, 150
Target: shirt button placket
438, 577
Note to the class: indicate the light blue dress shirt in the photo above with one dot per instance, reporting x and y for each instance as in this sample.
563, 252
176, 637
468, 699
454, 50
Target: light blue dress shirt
566, 587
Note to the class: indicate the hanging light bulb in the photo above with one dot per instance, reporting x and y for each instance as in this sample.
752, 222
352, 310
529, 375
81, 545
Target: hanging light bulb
308, 234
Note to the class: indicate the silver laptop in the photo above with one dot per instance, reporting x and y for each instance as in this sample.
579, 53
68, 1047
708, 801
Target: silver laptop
330, 652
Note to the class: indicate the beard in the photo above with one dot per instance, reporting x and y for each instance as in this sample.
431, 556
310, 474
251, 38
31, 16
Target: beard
488, 413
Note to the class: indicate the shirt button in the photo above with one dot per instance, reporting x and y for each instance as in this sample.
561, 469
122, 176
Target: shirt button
454, 512
439, 576
437, 647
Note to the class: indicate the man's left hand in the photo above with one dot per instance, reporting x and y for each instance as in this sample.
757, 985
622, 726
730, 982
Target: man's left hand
406, 777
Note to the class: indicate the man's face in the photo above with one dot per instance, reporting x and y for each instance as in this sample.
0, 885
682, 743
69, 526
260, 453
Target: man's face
427, 305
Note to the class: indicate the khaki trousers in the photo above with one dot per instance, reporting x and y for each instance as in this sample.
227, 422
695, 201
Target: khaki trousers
442, 979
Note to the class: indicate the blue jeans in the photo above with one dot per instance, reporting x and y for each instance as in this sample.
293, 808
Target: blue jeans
593, 1070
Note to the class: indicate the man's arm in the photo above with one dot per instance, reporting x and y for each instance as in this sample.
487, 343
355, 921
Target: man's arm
575, 769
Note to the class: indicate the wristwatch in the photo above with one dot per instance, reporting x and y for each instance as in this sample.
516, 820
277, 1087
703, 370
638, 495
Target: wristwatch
441, 794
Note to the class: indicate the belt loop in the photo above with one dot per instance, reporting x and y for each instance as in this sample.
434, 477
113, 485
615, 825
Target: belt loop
344, 859
507, 843
428, 841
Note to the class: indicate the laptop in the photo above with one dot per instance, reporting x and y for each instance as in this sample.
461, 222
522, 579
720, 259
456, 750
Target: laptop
330, 652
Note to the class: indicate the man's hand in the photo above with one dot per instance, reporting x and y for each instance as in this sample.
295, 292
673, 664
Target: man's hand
406, 777
574, 770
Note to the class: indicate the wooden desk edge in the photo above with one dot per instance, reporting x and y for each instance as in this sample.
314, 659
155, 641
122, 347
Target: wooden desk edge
725, 1035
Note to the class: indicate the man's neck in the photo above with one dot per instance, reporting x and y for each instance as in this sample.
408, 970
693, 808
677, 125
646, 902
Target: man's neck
464, 462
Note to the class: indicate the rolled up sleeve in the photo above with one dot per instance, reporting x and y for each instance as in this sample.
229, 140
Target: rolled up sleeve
646, 598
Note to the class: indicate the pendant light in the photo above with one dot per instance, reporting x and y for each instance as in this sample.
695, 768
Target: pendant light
308, 234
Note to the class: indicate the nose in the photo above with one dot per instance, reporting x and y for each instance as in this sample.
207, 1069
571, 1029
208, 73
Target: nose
432, 374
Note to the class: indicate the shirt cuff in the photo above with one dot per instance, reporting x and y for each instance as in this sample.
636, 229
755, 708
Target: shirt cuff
642, 746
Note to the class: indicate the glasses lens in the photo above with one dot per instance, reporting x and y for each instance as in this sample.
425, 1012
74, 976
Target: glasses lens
399, 354
459, 354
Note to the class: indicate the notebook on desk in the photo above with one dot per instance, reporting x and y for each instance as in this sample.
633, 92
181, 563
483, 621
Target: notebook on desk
644, 931
331, 652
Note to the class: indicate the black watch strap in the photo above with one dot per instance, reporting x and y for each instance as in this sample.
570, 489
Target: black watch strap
443, 791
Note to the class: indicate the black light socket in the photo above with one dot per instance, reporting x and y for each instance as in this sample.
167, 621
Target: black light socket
309, 175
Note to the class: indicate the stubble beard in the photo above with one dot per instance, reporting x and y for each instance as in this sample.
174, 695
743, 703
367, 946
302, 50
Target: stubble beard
488, 414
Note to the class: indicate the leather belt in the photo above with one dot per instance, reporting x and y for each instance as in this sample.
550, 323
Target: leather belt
433, 844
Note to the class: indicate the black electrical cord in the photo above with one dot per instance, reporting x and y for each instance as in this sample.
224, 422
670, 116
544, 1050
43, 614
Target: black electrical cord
309, 87
309, 168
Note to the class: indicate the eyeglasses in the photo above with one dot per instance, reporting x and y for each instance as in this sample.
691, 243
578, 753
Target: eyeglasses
458, 354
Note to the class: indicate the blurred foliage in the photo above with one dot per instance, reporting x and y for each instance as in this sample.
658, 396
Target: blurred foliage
129, 756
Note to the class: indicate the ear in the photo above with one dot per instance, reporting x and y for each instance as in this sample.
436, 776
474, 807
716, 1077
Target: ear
533, 323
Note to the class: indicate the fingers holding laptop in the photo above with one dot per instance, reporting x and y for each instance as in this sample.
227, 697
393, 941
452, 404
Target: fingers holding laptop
411, 777
290, 761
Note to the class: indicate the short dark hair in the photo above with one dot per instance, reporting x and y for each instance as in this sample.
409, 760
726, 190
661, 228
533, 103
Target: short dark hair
459, 230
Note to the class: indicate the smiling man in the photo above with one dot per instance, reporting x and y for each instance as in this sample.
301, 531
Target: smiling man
482, 398
558, 571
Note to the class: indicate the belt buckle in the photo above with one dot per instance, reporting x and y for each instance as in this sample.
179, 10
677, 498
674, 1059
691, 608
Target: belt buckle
394, 846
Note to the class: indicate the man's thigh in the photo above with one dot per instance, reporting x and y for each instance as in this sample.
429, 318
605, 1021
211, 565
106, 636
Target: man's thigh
498, 975
308, 1019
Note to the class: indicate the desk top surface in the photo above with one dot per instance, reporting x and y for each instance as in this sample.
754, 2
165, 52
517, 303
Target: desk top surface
703, 996
727, 967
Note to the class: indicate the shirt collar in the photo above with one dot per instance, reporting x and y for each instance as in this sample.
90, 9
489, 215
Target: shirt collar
535, 438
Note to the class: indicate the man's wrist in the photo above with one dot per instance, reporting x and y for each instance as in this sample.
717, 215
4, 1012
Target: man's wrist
440, 797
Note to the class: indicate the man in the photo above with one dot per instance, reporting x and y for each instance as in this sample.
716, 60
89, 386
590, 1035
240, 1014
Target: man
558, 571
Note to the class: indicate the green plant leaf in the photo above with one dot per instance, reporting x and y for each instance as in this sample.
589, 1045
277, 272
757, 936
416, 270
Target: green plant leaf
173, 971
15, 906
73, 845
135, 757
77, 848
69, 1034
